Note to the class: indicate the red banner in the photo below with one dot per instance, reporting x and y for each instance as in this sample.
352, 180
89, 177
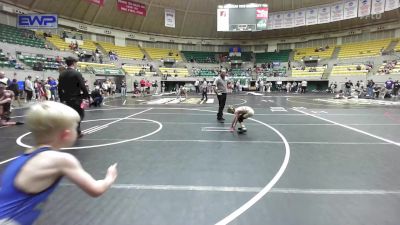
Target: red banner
262, 13
131, 7
97, 2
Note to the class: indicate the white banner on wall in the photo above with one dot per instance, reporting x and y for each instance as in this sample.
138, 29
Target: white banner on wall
350, 9
312, 16
364, 7
223, 20
289, 19
391, 4
337, 11
170, 18
324, 14
270, 21
300, 18
377, 7
278, 20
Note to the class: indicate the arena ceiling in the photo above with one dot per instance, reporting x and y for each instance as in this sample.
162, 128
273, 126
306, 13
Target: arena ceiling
194, 18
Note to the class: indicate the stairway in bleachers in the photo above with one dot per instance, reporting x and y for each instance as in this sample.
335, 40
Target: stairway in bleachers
394, 45
335, 53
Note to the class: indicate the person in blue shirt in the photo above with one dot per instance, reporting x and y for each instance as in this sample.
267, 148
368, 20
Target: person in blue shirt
53, 88
29, 179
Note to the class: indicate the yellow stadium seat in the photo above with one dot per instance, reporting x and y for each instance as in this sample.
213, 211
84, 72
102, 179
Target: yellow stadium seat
307, 52
159, 53
363, 49
349, 70
180, 72
306, 72
127, 52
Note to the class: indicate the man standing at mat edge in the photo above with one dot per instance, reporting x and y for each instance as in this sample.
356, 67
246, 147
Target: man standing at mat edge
220, 87
72, 89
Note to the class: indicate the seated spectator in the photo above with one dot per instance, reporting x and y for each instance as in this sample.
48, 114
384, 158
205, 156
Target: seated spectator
19, 66
97, 97
6, 98
64, 35
59, 59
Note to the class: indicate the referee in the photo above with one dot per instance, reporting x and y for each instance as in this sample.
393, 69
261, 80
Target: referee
220, 89
72, 89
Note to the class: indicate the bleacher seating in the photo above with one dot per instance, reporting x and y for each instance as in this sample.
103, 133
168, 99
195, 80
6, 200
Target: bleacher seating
275, 72
239, 73
179, 72
64, 46
58, 42
47, 63
89, 45
159, 53
200, 57
4, 61
349, 70
127, 52
281, 56
363, 49
205, 72
19, 36
97, 68
322, 53
397, 47
393, 68
137, 70
308, 71
246, 56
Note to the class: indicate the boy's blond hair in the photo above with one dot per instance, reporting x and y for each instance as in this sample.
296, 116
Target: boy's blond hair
46, 118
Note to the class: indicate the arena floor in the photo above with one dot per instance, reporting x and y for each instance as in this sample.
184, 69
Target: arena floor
304, 160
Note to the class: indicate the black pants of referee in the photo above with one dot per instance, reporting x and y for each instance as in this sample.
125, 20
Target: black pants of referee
76, 105
221, 102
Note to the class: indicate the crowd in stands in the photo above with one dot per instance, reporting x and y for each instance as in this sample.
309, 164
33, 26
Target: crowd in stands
368, 67
204, 72
321, 49
388, 68
205, 60
8, 60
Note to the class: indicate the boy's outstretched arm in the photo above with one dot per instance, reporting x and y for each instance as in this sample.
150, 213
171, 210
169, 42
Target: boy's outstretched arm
234, 122
72, 169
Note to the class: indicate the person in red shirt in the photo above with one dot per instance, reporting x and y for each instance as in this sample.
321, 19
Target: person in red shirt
142, 86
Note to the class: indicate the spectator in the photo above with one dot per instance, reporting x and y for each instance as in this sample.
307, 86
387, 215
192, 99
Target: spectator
96, 97
332, 88
15, 89
6, 97
303, 86
4, 79
288, 87
348, 85
396, 87
53, 88
388, 88
370, 88
142, 85
28, 88
196, 85
123, 88
204, 87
